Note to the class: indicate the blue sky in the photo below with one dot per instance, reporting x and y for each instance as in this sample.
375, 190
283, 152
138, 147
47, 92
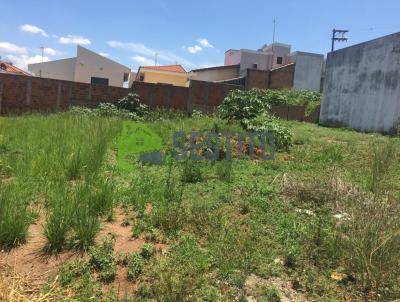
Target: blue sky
193, 33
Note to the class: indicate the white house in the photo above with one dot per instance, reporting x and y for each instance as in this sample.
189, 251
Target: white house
86, 67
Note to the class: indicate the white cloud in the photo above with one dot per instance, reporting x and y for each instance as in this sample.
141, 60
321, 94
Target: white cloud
104, 54
205, 43
12, 48
33, 29
194, 49
50, 51
72, 39
22, 61
143, 61
142, 50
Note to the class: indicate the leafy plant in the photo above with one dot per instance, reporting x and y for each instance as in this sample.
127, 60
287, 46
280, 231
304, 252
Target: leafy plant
147, 250
266, 123
241, 104
102, 260
132, 104
135, 266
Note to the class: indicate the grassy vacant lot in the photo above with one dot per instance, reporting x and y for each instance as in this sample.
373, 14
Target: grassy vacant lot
318, 223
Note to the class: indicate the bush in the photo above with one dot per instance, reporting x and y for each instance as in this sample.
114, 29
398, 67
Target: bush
135, 266
131, 103
102, 260
267, 123
241, 104
147, 250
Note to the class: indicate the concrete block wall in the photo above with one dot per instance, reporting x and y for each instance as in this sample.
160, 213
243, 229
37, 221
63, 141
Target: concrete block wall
362, 86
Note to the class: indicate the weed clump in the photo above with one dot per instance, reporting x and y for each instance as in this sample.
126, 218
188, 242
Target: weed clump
14, 216
135, 266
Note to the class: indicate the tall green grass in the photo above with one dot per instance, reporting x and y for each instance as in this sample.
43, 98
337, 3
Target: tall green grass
61, 155
14, 215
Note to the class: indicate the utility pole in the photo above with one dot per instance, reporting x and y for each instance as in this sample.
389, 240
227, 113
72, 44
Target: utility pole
341, 38
42, 49
273, 33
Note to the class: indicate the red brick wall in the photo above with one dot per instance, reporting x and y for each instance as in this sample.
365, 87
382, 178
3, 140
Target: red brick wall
208, 93
21, 93
257, 79
282, 77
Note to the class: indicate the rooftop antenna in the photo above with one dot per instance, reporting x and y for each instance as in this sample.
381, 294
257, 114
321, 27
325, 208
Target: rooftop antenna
42, 49
341, 38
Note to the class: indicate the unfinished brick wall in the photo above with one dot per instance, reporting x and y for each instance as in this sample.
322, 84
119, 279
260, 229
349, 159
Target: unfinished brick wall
22, 93
282, 77
257, 79
207, 96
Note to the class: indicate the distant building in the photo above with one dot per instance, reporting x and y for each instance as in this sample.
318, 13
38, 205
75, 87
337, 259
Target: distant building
169, 74
9, 68
86, 67
215, 74
266, 58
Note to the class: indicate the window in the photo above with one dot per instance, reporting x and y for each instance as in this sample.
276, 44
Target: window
279, 60
99, 81
141, 77
126, 77
255, 65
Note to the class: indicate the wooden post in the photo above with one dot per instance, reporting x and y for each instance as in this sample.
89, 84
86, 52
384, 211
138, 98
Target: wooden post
190, 101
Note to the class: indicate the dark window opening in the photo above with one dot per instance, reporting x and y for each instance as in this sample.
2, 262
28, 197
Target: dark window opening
279, 60
99, 81
141, 77
255, 65
126, 76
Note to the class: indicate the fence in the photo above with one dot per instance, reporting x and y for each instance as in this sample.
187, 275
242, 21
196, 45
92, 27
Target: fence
20, 93
26, 94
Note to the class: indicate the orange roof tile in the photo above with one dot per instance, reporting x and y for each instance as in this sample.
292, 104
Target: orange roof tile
9, 68
170, 68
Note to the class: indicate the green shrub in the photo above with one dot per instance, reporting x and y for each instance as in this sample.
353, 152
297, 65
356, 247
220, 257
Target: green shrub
102, 260
147, 250
267, 123
225, 170
14, 216
135, 266
242, 104
247, 104
132, 104
191, 171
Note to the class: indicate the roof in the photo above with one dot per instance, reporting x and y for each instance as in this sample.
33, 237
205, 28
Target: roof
218, 67
6, 67
171, 68
286, 65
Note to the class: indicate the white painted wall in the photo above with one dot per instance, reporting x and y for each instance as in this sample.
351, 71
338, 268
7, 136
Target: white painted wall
308, 70
86, 65
90, 64
362, 86
59, 69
